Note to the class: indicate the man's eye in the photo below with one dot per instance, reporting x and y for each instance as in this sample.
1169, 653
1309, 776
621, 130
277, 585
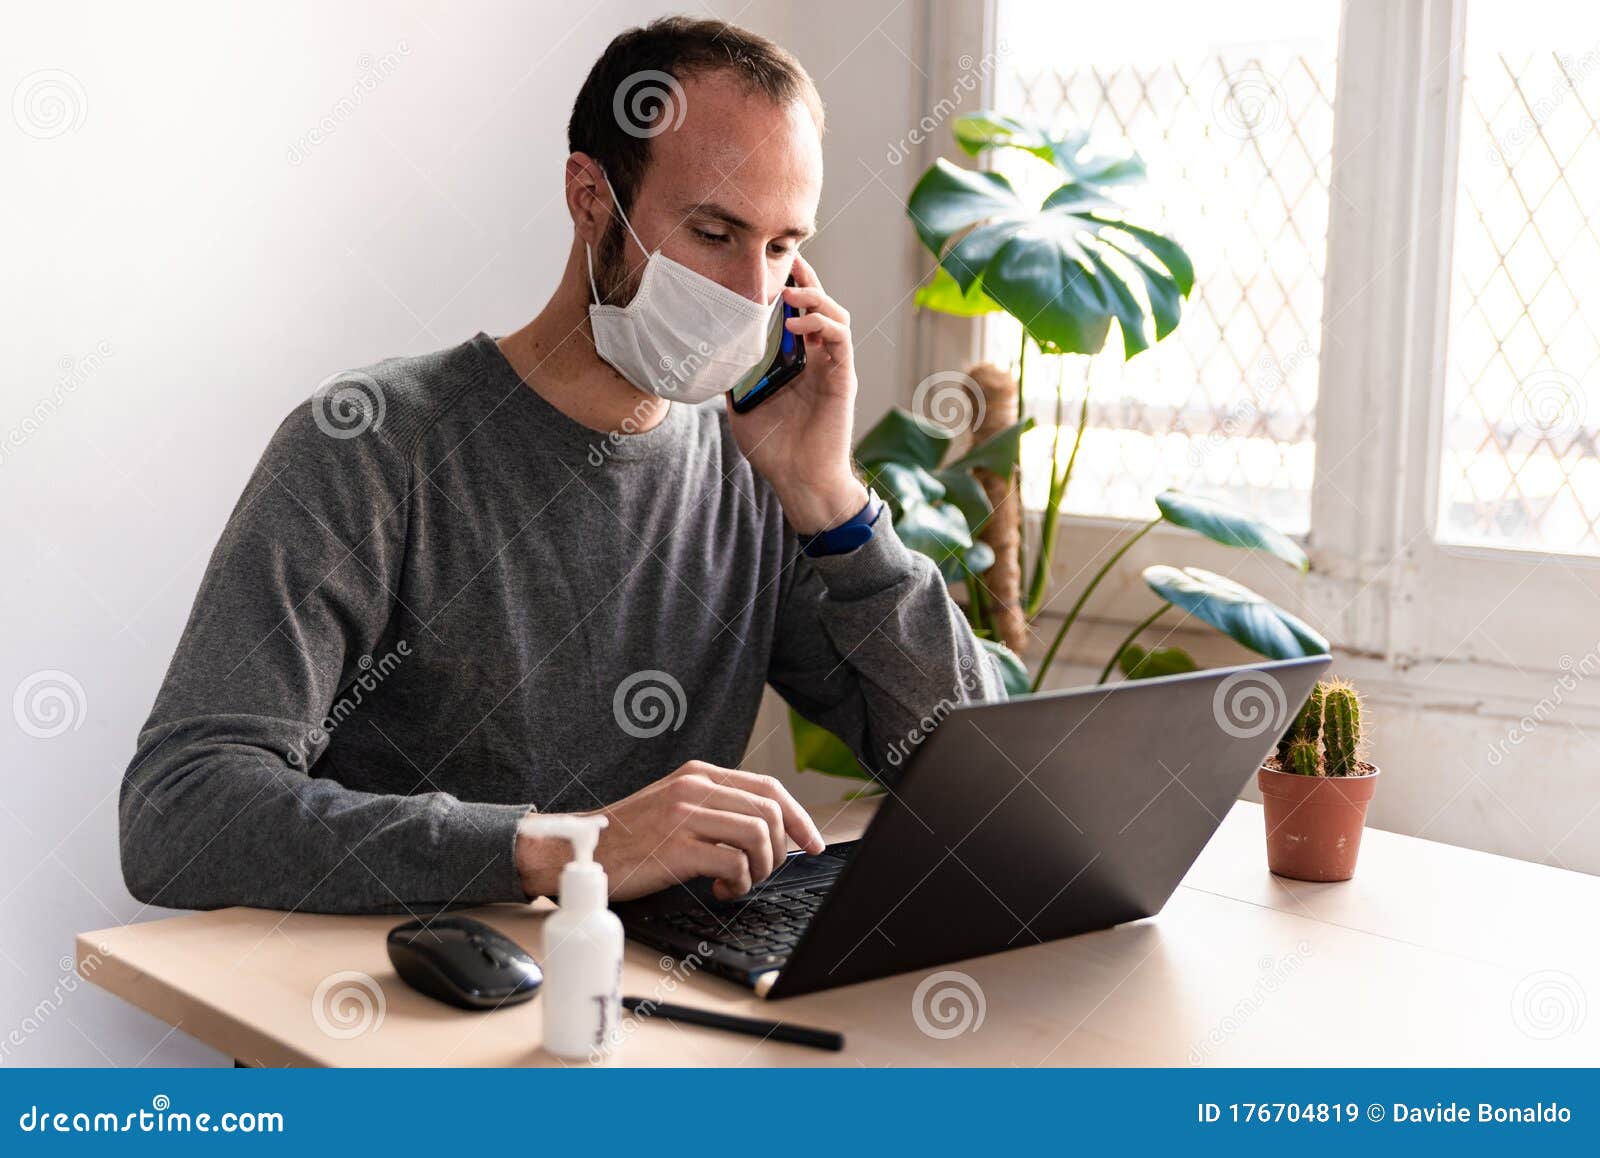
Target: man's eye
713, 238
783, 251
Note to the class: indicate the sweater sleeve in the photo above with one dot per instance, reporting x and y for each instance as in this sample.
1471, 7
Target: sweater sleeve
870, 646
219, 805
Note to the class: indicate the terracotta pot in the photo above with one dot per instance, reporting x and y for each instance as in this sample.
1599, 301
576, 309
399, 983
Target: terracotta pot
1314, 823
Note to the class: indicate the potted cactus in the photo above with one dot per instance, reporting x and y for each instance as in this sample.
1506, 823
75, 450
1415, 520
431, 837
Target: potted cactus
1315, 789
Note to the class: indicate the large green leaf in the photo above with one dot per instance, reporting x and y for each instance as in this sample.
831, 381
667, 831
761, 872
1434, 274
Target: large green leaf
943, 296
1062, 268
934, 510
903, 485
818, 750
1039, 274
1138, 663
899, 437
999, 452
968, 495
1236, 611
1013, 673
939, 531
1168, 251
948, 200
978, 558
1068, 151
1229, 526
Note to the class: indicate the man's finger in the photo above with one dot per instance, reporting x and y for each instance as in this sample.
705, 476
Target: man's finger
812, 298
804, 275
763, 808
828, 331
796, 822
727, 867
745, 832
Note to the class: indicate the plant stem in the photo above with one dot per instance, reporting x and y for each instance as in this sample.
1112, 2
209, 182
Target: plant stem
1083, 597
978, 609
1077, 441
1058, 493
1131, 636
1022, 413
1047, 521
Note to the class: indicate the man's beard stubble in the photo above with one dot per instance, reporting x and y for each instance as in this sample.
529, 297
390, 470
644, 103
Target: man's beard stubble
614, 281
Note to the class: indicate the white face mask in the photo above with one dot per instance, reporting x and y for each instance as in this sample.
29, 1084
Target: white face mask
683, 336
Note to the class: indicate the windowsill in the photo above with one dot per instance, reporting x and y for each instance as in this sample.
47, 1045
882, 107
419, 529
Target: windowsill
1472, 688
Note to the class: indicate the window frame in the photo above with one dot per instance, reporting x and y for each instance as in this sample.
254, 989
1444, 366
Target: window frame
1401, 606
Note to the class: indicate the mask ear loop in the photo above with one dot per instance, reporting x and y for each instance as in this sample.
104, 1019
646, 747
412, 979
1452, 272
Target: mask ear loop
588, 254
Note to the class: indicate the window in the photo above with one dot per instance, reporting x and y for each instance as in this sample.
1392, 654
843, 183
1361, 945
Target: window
1519, 466
1392, 346
1231, 109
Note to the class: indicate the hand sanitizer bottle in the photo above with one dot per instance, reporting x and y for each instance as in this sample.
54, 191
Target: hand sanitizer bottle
582, 958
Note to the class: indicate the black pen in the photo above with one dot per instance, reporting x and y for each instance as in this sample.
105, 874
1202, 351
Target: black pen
753, 1026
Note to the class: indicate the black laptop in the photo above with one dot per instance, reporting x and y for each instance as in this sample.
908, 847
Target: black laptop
1014, 823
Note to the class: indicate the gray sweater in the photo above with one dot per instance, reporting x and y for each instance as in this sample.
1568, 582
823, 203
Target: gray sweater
425, 618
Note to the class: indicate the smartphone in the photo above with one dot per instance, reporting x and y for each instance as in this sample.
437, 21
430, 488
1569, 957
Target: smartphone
784, 359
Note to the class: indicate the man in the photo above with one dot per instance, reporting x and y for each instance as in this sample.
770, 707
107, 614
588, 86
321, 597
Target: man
527, 578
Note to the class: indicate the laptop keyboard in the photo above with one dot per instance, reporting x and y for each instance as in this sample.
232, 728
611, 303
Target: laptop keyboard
765, 925
768, 925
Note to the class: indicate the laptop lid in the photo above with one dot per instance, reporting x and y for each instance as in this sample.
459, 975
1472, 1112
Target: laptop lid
1027, 820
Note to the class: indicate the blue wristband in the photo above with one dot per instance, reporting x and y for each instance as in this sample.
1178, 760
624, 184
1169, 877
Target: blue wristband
848, 535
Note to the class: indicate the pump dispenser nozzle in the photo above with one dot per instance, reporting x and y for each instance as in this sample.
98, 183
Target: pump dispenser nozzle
582, 831
583, 882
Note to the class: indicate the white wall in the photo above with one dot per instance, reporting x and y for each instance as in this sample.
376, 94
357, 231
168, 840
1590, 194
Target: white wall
182, 264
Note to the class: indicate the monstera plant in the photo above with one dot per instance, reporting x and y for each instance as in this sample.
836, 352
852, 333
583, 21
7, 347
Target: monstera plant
935, 504
1065, 269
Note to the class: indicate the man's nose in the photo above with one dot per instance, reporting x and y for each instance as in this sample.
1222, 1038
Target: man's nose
756, 280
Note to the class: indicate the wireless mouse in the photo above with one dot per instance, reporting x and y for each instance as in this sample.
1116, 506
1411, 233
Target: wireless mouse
463, 962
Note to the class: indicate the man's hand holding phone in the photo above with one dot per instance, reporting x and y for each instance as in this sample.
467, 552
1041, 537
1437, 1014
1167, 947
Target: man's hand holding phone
800, 439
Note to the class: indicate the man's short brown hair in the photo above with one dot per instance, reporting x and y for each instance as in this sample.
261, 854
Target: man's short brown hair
628, 99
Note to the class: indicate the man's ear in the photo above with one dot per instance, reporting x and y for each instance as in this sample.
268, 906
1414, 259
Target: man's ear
588, 198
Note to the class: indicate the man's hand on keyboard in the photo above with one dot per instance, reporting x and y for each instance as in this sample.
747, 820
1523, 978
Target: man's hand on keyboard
698, 821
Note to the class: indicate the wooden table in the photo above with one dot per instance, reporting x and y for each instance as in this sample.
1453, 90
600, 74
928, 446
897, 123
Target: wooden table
1432, 955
